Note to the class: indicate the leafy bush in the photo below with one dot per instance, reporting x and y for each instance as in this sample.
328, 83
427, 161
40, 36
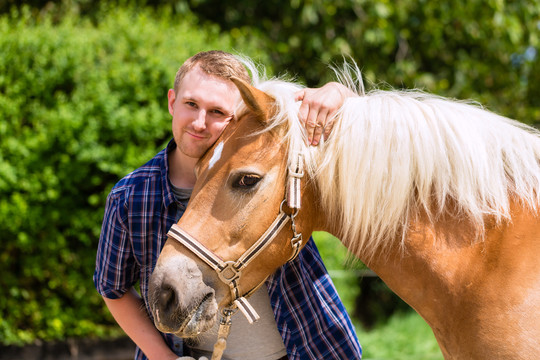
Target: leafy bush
406, 336
476, 49
81, 104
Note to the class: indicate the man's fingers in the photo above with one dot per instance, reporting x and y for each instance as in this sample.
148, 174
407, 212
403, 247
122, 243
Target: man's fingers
299, 95
303, 113
322, 122
317, 135
311, 123
329, 124
328, 127
318, 108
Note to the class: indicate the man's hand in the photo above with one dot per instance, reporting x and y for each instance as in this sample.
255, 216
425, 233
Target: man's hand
319, 106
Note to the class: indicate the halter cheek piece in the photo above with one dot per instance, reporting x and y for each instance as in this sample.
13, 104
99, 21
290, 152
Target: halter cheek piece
229, 272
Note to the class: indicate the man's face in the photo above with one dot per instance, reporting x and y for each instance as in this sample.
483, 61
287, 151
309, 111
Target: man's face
202, 107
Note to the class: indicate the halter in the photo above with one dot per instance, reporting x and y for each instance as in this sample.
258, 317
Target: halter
229, 272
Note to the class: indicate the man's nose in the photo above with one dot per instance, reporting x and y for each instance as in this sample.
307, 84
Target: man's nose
199, 124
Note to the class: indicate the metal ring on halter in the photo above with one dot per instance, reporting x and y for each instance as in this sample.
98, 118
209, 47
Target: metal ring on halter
226, 314
293, 215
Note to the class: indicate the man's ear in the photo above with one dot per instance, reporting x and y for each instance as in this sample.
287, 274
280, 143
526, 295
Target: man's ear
171, 98
256, 100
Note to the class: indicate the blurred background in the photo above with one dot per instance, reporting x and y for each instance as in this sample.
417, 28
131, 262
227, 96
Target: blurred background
83, 89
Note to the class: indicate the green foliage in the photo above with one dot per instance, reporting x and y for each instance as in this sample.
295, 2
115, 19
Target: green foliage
405, 336
476, 49
81, 104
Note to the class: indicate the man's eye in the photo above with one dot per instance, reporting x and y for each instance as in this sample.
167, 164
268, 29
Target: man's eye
246, 181
218, 113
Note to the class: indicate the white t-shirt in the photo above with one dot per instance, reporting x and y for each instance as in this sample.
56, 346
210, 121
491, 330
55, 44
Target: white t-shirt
258, 341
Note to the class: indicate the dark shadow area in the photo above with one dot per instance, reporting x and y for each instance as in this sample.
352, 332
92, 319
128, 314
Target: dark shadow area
376, 303
80, 349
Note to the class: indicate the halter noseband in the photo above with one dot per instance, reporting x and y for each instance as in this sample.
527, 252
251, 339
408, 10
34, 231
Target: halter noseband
229, 272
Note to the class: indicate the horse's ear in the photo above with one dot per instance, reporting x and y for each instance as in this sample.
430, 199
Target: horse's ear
255, 99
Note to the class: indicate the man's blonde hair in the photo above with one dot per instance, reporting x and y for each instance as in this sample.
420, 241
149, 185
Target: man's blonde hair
214, 62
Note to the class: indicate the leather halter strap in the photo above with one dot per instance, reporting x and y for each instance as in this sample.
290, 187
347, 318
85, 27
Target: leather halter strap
229, 272
296, 173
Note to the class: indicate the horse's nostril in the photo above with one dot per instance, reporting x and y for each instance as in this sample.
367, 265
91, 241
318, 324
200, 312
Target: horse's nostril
167, 298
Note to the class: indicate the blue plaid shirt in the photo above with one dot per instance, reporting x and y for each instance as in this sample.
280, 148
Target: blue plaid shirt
140, 210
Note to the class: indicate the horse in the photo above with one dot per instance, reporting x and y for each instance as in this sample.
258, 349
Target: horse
439, 197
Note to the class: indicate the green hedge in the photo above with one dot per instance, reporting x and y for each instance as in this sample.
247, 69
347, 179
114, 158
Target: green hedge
81, 104
485, 50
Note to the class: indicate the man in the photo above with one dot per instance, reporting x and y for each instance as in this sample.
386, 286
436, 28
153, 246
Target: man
143, 206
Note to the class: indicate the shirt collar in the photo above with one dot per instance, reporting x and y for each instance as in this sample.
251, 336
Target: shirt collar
168, 196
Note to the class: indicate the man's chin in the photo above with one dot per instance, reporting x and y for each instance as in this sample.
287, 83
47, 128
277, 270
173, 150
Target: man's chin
194, 151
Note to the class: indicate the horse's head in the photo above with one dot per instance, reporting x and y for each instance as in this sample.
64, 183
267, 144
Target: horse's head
236, 214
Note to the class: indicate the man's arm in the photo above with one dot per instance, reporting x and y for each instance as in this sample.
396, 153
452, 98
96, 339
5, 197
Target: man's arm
130, 314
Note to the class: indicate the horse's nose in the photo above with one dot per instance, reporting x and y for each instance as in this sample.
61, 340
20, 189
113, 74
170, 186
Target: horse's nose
167, 300
172, 284
179, 297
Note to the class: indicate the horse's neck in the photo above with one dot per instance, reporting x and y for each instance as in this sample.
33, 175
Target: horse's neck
430, 257
453, 276
427, 271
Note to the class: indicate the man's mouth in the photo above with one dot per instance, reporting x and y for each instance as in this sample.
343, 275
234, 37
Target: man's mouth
196, 136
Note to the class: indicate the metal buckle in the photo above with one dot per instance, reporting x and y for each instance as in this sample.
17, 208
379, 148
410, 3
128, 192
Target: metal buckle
296, 240
229, 273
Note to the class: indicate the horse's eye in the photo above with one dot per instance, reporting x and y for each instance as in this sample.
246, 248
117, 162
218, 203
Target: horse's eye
246, 181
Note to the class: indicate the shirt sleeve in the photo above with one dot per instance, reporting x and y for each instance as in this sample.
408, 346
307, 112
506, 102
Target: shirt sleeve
116, 269
310, 316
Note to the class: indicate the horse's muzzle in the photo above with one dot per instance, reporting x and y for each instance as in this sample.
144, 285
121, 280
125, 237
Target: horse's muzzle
180, 301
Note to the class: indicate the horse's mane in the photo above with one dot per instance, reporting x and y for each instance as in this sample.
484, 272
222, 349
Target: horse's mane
394, 154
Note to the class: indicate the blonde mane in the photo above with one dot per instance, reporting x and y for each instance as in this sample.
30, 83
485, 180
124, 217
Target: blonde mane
393, 154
